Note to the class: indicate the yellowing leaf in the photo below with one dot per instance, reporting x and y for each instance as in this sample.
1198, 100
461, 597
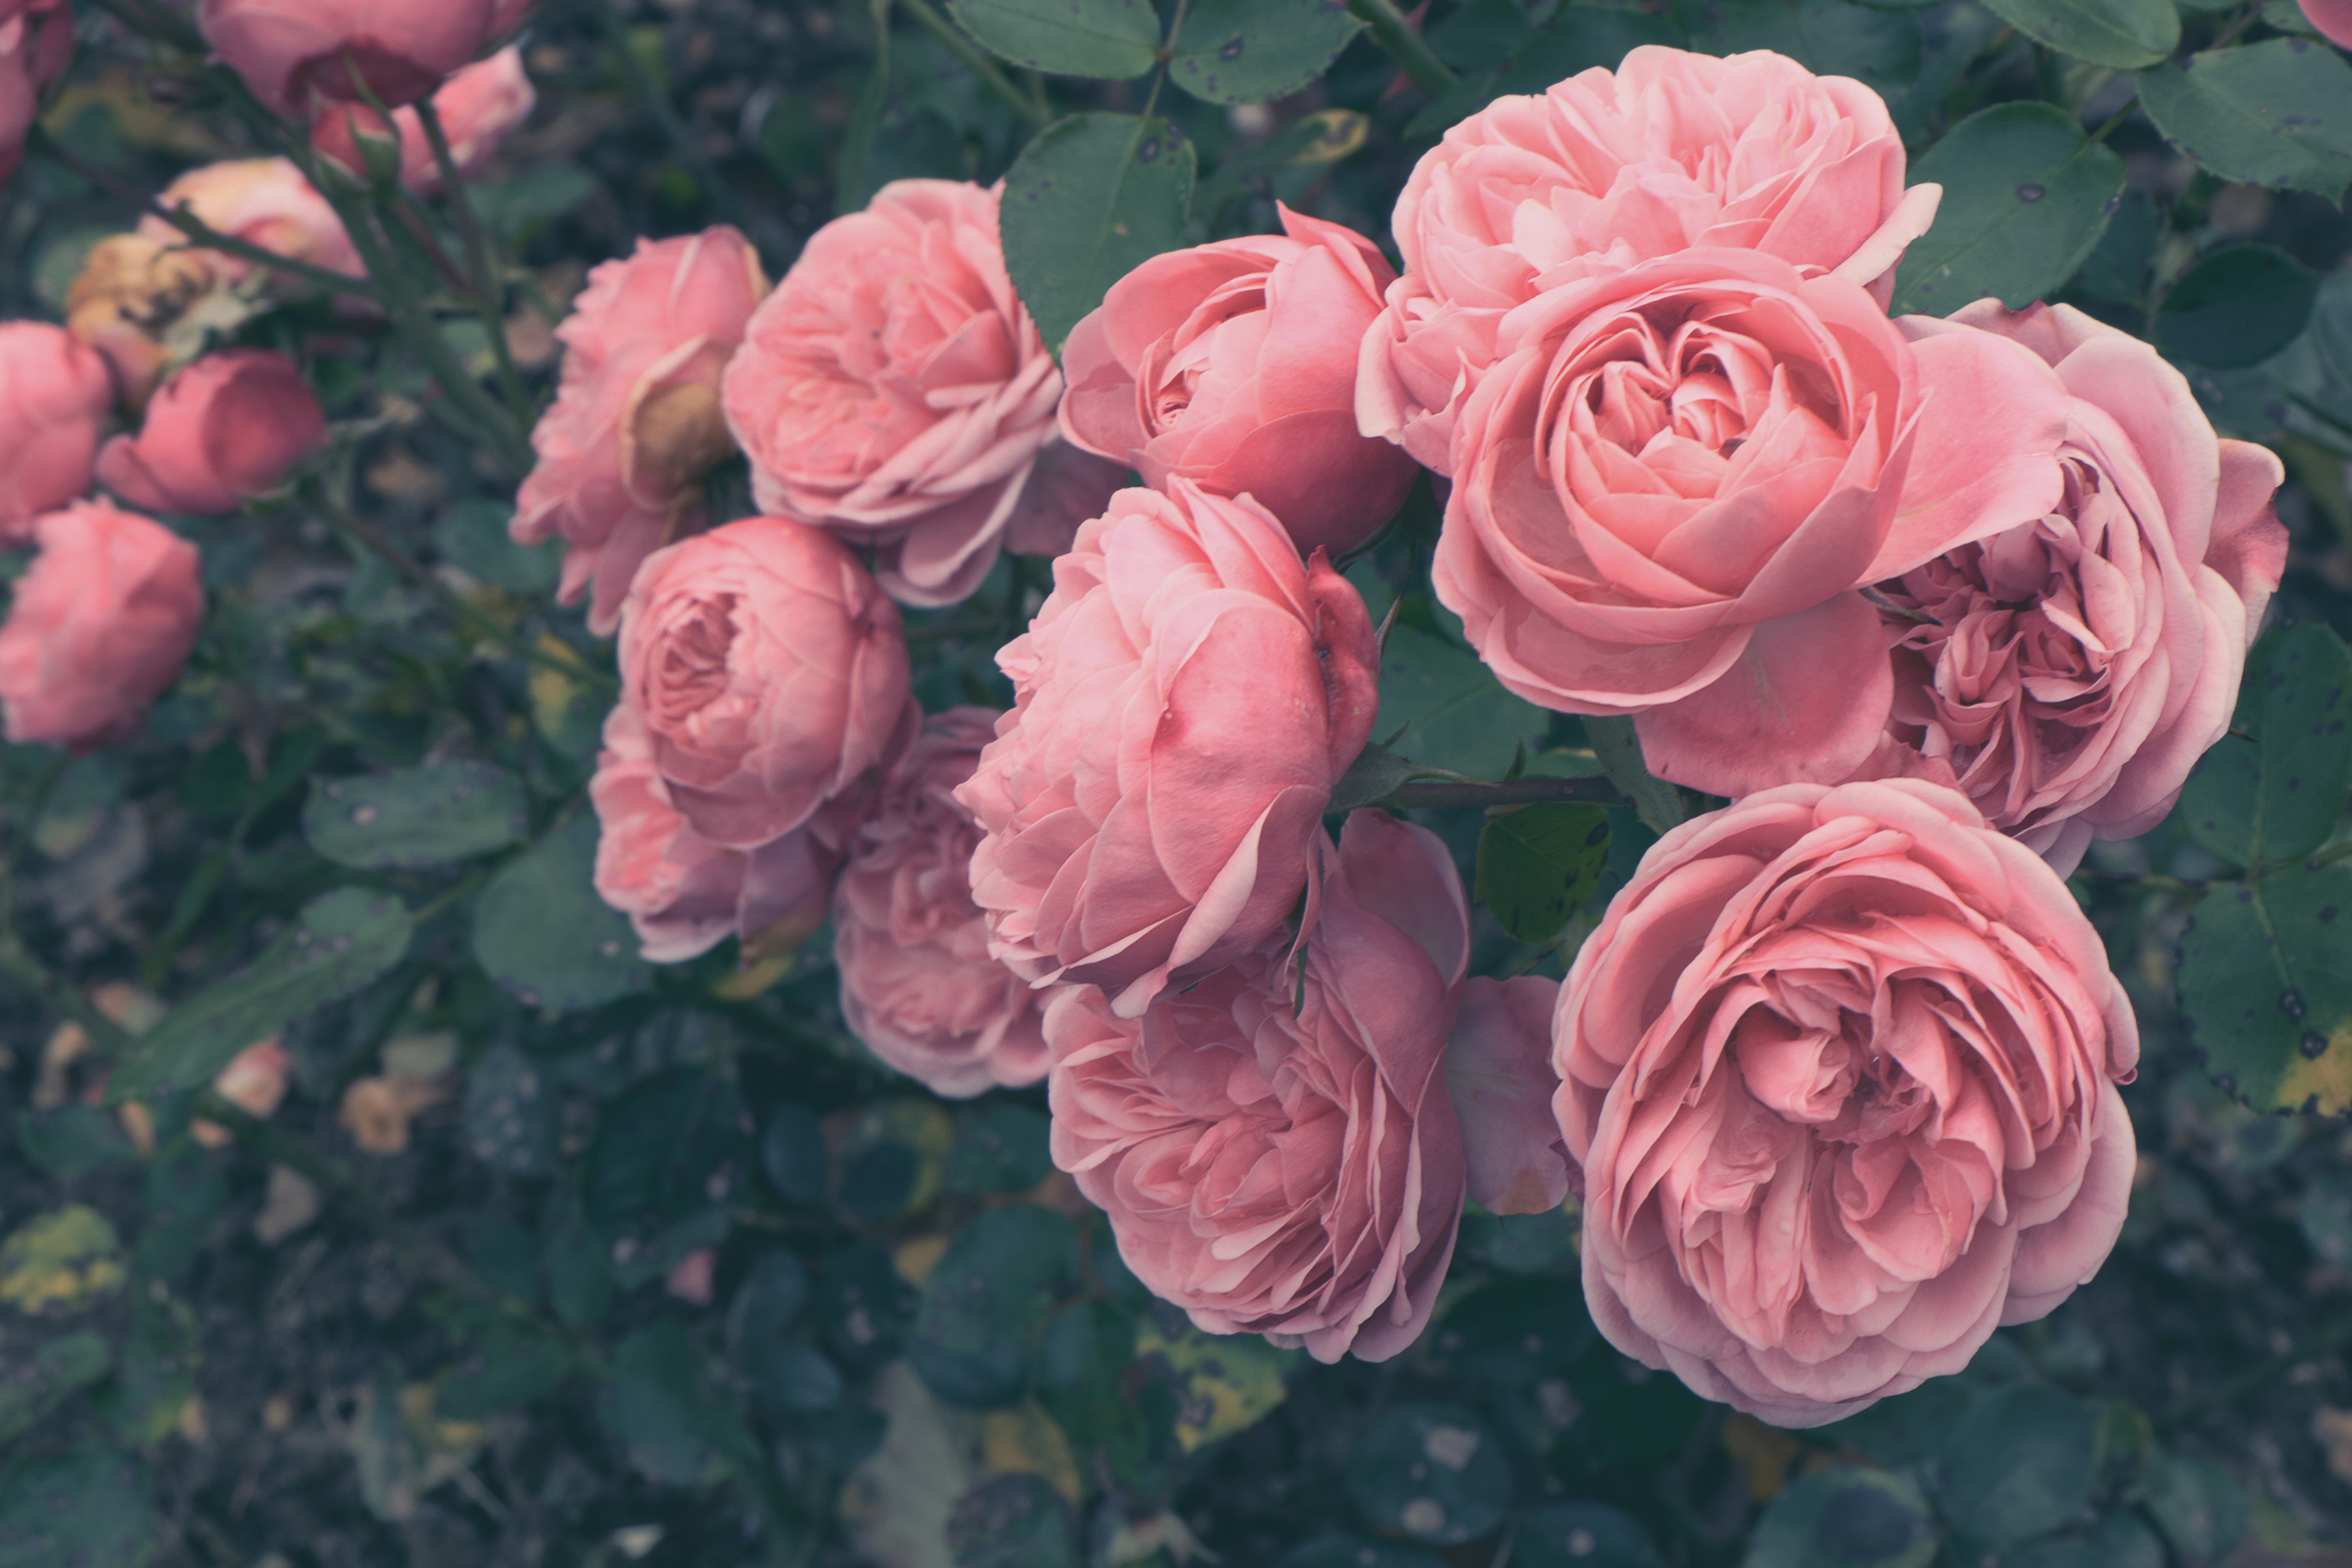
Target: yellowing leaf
1228, 1382
1022, 1439
59, 1262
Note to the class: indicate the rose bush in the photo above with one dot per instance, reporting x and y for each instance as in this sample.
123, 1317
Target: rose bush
479, 106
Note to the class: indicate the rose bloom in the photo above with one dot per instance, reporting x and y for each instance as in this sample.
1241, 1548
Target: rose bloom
227, 428
1840, 1068
479, 107
98, 627
1276, 1146
1671, 152
2333, 19
917, 985
2071, 669
1666, 490
1184, 702
1233, 365
54, 397
35, 47
146, 305
636, 423
686, 895
894, 389
264, 202
292, 53
769, 671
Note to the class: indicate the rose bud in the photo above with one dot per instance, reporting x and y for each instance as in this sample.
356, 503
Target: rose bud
769, 671
35, 47
97, 628
917, 985
624, 448
2070, 670
479, 107
227, 428
894, 389
292, 53
1233, 365
1840, 1067
1183, 703
55, 398
265, 201
1671, 152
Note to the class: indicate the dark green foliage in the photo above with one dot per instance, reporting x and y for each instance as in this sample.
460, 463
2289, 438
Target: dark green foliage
1089, 200
541, 933
670, 1159
1537, 864
2239, 306
1846, 1519
414, 818
2026, 198
985, 1301
1014, 1521
1433, 1472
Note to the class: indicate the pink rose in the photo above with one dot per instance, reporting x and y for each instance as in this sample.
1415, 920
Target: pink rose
1673, 151
624, 447
1670, 483
769, 671
1233, 365
479, 107
292, 53
97, 628
1840, 1067
1184, 702
227, 428
2071, 669
894, 389
264, 202
54, 397
1275, 1145
686, 895
35, 47
2333, 19
917, 983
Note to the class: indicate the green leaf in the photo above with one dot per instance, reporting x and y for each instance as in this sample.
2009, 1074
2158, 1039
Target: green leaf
660, 1408
2237, 306
2265, 982
2277, 796
91, 1507
1617, 747
1335, 1551
1582, 1535
1537, 864
1578, 38
1001, 1147
668, 1160
1091, 198
1225, 1382
2200, 1506
1515, 1333
518, 208
578, 1266
2124, 34
415, 817
340, 942
32, 1387
511, 1368
2117, 268
473, 537
1250, 51
2325, 1215
1880, 49
2019, 1463
2026, 198
72, 1140
1844, 1519
185, 1191
512, 1123
1371, 777
985, 1297
792, 1151
542, 934
1015, 1520
158, 1374
1451, 711
1431, 1471
2276, 113
1114, 40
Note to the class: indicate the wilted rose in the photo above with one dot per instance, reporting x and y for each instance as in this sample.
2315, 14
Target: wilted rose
146, 305
227, 428
1840, 1066
54, 397
1184, 702
265, 201
98, 627
624, 448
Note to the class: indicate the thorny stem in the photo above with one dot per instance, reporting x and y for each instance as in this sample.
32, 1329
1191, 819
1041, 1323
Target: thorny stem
481, 260
1394, 34
1032, 110
1159, 78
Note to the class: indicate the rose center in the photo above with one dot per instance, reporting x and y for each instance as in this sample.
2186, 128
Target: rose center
693, 672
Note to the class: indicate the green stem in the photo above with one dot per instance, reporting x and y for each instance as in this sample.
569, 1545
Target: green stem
481, 260
2107, 128
1032, 109
1394, 34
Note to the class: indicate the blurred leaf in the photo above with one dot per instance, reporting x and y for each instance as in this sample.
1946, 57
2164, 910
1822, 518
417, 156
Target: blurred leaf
1515, 1333
2266, 981
1334, 1551
416, 817
2120, 33
999, 1147
579, 1283
2198, 1505
862, 1305
1108, 39
2019, 1464
33, 1386
72, 1140
893, 1160
512, 1124
1371, 777
659, 1408
1226, 1382
519, 208
1578, 38
542, 934
340, 942
1452, 712
1583, 1535
185, 1190
61, 1262
568, 714
1013, 1522
473, 537
2237, 306
509, 1369
1878, 48
2276, 113
2277, 796
668, 1161
1253, 51
1431, 1471
158, 1374
788, 1375
986, 1299
2325, 1215
1327, 136
1846, 1518
92, 1508
1089, 199
792, 1151
2026, 198
2117, 268
1537, 864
